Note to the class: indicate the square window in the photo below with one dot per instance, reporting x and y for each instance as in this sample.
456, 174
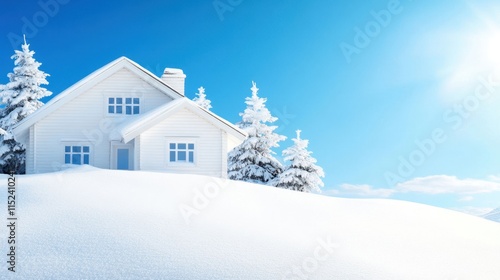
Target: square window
136, 110
119, 100
111, 100
77, 149
76, 159
172, 156
181, 146
111, 109
86, 149
119, 110
67, 149
128, 110
191, 146
67, 159
136, 100
128, 100
181, 156
172, 145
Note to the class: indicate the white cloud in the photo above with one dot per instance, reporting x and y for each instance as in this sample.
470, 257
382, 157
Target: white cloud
444, 184
330, 192
365, 190
466, 198
494, 178
437, 184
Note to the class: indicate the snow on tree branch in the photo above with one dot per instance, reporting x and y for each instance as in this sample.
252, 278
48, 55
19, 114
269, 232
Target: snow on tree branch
301, 173
253, 160
202, 100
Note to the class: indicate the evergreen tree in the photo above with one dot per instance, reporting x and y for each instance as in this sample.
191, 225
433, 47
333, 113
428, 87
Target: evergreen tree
202, 100
253, 160
301, 174
12, 154
20, 97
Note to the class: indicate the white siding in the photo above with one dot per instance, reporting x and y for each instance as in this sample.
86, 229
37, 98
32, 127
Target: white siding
232, 142
30, 159
137, 153
223, 155
183, 125
84, 119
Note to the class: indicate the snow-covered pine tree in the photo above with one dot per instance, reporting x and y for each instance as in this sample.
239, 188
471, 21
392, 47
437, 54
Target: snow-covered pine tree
253, 160
301, 174
202, 100
12, 154
19, 97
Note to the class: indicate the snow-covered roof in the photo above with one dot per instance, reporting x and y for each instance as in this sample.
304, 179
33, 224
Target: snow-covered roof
143, 122
174, 72
90, 81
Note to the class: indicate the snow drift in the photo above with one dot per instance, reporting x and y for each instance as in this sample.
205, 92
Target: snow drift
101, 224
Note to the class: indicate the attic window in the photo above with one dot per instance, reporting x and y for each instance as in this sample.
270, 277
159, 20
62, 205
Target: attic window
124, 105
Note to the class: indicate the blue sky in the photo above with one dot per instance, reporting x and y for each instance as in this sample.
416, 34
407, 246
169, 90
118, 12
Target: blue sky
404, 90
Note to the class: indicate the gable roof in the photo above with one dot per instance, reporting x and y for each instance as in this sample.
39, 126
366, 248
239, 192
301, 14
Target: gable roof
88, 82
141, 123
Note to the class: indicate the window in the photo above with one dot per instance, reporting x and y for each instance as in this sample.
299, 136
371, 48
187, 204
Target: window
181, 152
77, 155
123, 105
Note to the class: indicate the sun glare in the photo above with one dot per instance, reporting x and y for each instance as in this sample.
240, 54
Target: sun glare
472, 54
486, 49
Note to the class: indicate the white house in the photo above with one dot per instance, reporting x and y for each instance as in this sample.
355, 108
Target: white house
124, 117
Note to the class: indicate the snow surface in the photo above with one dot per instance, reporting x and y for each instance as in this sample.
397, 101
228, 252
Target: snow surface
86, 223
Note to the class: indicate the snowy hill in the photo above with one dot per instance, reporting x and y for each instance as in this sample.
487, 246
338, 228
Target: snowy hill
87, 223
494, 215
